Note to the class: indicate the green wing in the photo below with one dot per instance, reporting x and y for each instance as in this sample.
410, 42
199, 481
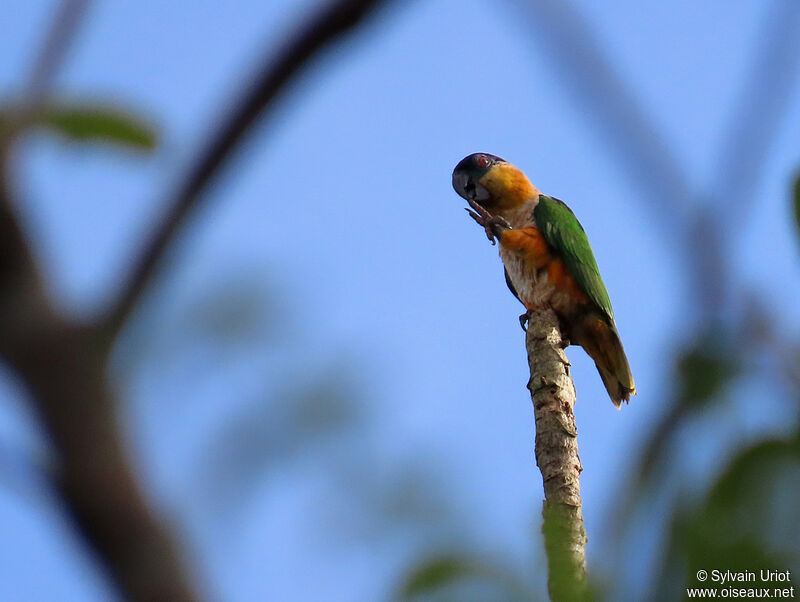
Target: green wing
564, 233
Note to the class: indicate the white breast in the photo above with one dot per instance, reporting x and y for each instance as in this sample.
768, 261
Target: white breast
531, 285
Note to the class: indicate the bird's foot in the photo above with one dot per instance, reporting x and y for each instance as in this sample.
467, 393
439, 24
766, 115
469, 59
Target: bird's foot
494, 225
523, 320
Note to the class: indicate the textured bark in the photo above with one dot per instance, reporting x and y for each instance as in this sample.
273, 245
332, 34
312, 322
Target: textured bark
553, 395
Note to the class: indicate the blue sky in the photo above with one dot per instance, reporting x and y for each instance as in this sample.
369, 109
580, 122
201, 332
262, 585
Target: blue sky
340, 206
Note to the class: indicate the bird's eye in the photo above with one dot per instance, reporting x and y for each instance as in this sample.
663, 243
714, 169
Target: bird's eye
483, 161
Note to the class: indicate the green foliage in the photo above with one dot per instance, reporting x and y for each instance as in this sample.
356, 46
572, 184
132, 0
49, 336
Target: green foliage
274, 427
437, 572
286, 412
745, 518
747, 521
747, 472
82, 124
96, 124
461, 577
702, 373
706, 368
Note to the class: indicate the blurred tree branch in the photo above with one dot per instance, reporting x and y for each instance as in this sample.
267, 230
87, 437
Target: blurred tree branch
759, 112
553, 395
58, 42
63, 370
693, 225
63, 365
328, 24
613, 108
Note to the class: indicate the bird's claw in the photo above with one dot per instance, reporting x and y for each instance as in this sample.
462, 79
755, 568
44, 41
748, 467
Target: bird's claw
523, 321
493, 225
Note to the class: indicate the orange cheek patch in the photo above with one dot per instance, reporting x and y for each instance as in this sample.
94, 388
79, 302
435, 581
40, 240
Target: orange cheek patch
508, 185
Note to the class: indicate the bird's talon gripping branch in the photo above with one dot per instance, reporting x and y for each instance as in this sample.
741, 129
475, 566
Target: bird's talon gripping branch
523, 320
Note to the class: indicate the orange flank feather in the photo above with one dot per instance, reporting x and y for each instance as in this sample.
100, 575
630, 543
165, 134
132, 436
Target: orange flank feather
509, 186
530, 242
559, 277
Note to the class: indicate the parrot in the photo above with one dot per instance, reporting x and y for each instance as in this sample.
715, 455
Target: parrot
548, 261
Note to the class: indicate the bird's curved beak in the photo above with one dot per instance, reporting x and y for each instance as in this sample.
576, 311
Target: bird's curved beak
467, 188
461, 184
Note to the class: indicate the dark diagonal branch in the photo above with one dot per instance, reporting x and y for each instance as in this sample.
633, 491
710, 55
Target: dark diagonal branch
20, 281
744, 150
623, 123
63, 30
764, 98
620, 118
64, 373
553, 395
331, 22
55, 48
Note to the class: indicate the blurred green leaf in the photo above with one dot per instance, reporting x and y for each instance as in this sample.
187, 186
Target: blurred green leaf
698, 539
746, 522
483, 581
277, 425
704, 369
437, 572
79, 123
702, 372
238, 308
718, 538
751, 465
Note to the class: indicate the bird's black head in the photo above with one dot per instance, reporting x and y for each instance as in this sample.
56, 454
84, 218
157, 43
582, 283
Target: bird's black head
468, 173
